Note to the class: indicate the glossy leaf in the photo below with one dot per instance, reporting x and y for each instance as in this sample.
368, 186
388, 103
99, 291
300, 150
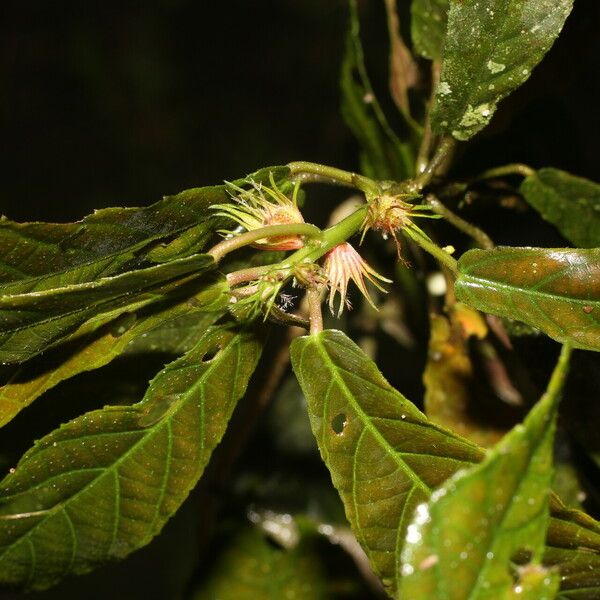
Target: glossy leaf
172, 329
41, 256
428, 24
571, 204
385, 457
555, 290
30, 322
105, 483
252, 568
460, 544
384, 155
490, 49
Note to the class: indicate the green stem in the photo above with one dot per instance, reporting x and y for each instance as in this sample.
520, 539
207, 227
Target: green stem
328, 239
438, 253
443, 152
512, 169
316, 173
481, 238
427, 139
245, 275
244, 239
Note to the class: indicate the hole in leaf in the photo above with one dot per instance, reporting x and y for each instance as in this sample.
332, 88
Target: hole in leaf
338, 423
211, 353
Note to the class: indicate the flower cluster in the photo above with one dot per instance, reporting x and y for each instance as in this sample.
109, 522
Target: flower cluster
261, 206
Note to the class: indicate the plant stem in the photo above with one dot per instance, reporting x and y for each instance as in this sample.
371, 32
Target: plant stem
316, 173
443, 152
244, 239
427, 139
481, 238
438, 253
512, 169
314, 309
328, 239
245, 275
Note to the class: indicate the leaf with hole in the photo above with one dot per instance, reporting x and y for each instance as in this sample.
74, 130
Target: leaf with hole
173, 328
570, 203
490, 49
104, 484
385, 457
460, 544
554, 290
388, 458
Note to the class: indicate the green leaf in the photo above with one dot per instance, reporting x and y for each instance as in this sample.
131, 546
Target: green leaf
571, 204
385, 457
174, 329
428, 27
460, 544
31, 322
573, 546
252, 568
490, 49
384, 155
41, 256
555, 290
105, 483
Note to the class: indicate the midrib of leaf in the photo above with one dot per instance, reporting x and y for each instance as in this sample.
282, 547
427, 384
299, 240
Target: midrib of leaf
533, 293
482, 571
417, 482
113, 469
364, 417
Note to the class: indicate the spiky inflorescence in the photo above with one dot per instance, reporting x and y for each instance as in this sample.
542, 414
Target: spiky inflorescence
390, 213
342, 264
260, 206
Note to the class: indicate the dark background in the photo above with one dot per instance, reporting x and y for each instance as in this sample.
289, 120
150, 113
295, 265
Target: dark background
119, 103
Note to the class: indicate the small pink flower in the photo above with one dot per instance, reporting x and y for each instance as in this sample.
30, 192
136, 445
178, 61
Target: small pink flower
342, 264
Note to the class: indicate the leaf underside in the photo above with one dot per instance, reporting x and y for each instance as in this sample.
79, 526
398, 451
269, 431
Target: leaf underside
386, 458
554, 290
571, 204
105, 483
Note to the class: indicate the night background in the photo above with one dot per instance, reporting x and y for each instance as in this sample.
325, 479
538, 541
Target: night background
117, 104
